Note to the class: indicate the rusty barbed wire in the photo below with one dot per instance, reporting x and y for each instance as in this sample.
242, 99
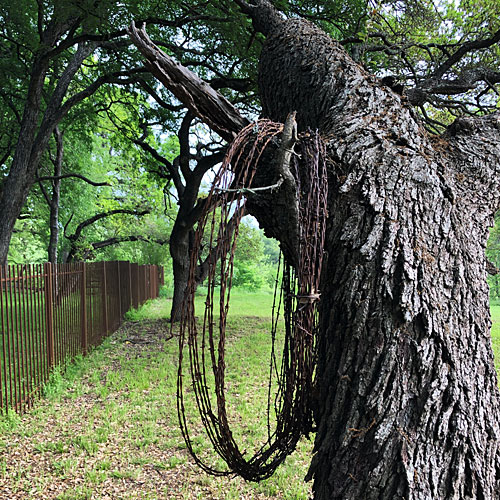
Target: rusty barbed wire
299, 293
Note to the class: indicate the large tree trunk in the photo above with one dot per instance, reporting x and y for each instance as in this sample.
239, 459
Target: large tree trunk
180, 253
408, 402
17, 184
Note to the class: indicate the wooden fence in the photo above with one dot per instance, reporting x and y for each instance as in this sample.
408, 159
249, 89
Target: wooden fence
50, 313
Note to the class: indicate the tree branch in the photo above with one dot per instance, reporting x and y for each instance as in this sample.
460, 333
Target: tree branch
205, 102
465, 82
65, 176
157, 97
121, 239
172, 171
92, 88
463, 50
78, 232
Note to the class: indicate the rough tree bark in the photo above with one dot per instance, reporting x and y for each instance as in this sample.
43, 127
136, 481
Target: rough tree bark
180, 251
54, 200
408, 403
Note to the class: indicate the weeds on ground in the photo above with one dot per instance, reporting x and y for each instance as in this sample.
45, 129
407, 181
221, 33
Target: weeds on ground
108, 426
495, 334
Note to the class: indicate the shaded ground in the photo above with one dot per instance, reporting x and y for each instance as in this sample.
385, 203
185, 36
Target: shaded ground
112, 432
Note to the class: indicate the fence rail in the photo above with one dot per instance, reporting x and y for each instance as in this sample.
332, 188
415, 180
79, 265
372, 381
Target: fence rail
49, 313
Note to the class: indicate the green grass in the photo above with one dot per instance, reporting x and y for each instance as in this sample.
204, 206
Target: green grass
495, 333
108, 428
243, 304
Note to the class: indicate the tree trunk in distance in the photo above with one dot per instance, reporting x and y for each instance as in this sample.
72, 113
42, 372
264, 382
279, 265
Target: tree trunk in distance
54, 201
180, 253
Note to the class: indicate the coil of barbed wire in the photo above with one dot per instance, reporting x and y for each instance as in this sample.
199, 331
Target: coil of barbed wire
299, 293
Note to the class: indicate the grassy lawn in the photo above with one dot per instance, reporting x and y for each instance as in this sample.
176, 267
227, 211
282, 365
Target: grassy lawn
108, 429
495, 334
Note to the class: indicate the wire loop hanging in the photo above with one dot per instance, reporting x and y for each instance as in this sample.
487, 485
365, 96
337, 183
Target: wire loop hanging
224, 209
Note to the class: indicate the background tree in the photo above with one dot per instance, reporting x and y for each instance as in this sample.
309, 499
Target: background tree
96, 211
69, 50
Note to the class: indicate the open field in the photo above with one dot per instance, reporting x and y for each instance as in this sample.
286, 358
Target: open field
108, 428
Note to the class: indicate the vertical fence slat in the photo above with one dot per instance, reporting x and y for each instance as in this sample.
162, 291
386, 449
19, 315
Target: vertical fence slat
118, 277
131, 301
49, 324
137, 301
42, 328
14, 351
83, 306
105, 298
33, 342
24, 336
4, 402
9, 330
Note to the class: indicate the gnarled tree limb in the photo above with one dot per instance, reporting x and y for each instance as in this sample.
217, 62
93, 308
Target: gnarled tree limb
77, 176
206, 103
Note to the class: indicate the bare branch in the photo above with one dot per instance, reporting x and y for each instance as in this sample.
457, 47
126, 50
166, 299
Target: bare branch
463, 50
117, 77
206, 103
102, 215
172, 171
156, 96
121, 239
44, 193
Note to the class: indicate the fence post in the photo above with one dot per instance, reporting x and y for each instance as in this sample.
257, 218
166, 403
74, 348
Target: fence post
83, 307
4, 334
138, 280
150, 283
105, 298
131, 304
49, 320
119, 290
